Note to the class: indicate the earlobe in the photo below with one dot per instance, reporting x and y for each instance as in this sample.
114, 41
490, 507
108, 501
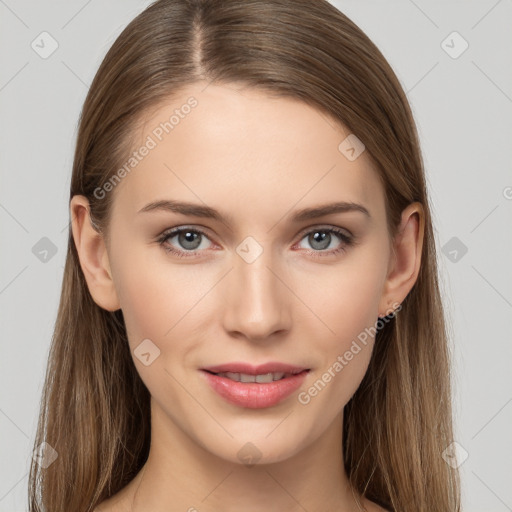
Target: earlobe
92, 252
406, 258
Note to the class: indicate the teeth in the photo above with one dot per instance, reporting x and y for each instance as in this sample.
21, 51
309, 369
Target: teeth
262, 379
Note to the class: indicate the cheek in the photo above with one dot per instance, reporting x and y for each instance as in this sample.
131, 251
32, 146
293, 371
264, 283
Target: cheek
142, 302
346, 296
156, 300
154, 294
347, 302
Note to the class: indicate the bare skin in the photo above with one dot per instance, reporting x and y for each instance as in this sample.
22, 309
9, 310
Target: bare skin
257, 159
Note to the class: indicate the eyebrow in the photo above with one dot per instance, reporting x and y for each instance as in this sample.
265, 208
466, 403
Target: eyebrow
197, 210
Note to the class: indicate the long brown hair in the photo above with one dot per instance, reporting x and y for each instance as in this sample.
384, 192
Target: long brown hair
95, 409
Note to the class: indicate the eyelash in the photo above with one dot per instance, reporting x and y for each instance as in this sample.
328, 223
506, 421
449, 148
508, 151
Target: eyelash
347, 241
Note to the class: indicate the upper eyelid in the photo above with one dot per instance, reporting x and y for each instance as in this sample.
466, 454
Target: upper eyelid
325, 227
171, 232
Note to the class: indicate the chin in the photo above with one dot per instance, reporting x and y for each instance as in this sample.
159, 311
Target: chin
257, 451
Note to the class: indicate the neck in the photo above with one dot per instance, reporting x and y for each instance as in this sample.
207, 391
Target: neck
181, 475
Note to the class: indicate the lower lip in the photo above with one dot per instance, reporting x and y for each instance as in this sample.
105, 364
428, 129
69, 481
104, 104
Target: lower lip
255, 395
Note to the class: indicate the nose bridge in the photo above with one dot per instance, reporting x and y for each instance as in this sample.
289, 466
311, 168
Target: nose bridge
256, 303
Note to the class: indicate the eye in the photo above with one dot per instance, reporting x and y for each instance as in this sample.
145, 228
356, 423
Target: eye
322, 238
188, 240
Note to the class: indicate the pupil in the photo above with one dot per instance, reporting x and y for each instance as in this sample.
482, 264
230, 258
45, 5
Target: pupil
189, 237
321, 237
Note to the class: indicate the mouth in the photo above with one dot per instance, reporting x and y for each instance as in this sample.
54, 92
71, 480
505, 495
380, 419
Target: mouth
255, 387
263, 373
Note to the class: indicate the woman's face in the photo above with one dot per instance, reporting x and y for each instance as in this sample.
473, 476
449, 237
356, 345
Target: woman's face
258, 282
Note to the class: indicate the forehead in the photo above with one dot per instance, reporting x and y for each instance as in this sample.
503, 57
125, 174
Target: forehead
234, 147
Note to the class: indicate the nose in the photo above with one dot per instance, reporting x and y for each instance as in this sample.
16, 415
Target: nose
257, 300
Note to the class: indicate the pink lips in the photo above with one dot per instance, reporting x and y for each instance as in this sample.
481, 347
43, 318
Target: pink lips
255, 395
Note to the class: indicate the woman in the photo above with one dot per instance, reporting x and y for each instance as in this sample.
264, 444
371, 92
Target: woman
250, 314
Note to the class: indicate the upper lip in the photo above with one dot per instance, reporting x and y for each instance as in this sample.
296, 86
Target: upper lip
249, 369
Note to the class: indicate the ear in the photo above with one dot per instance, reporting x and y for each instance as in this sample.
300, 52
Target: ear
406, 258
93, 255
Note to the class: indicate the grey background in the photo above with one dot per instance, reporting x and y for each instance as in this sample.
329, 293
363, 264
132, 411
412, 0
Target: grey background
463, 109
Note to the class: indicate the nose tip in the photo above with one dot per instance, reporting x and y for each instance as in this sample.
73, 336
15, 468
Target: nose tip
256, 304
